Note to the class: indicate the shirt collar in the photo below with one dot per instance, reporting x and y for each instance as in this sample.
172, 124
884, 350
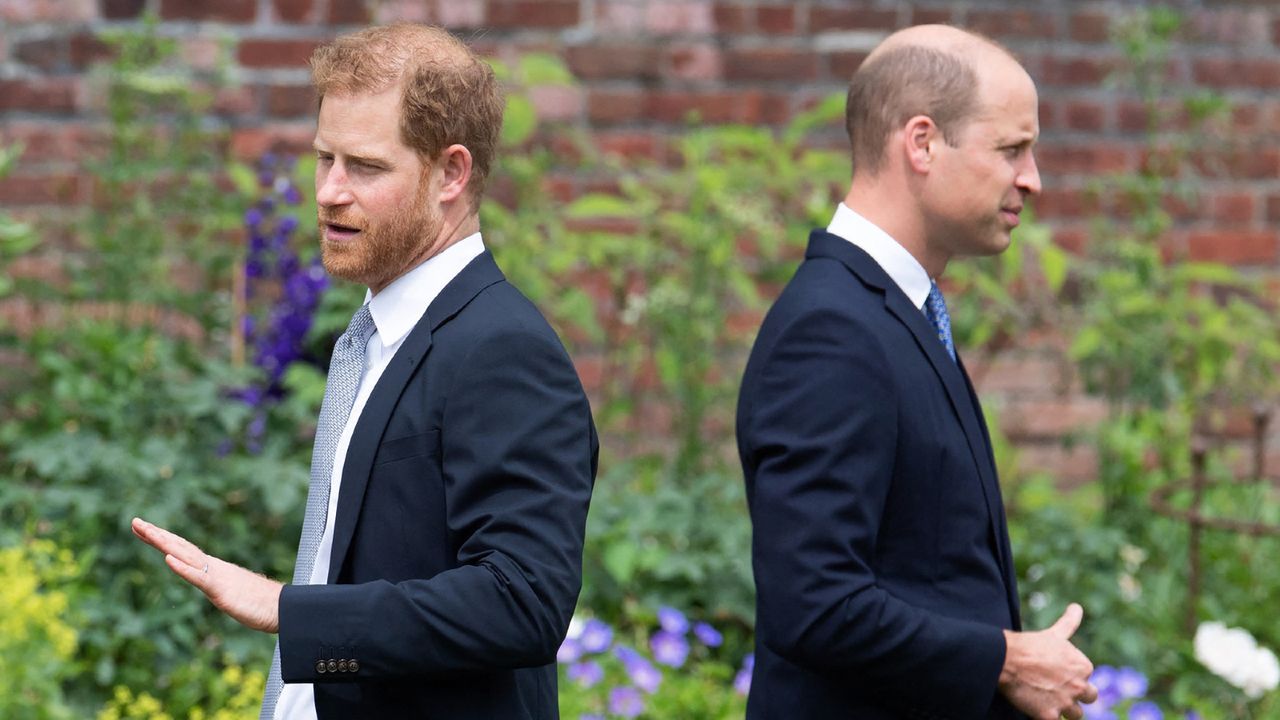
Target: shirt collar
401, 304
906, 271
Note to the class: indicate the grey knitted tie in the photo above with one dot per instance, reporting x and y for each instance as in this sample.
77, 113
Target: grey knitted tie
345, 371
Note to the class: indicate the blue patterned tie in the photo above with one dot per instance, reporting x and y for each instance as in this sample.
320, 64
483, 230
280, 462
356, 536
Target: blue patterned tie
935, 308
345, 372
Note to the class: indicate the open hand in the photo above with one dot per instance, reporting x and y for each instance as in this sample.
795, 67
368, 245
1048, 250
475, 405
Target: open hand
247, 597
1044, 675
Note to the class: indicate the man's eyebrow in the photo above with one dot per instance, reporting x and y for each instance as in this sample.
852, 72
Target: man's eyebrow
366, 159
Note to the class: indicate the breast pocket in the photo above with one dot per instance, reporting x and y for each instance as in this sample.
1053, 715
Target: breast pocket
418, 445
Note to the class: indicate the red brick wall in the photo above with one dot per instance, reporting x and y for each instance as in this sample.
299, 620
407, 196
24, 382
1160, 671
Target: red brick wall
645, 64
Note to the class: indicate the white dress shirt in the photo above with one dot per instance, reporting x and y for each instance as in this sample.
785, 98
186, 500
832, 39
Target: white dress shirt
395, 311
894, 259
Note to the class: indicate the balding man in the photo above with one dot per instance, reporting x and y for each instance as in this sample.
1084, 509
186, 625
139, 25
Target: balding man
885, 581
441, 549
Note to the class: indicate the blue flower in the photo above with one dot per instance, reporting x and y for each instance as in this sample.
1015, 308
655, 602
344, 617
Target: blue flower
639, 669
708, 635
672, 620
669, 649
1130, 683
1145, 710
1105, 678
596, 636
287, 224
590, 716
586, 673
569, 652
742, 681
1098, 711
625, 702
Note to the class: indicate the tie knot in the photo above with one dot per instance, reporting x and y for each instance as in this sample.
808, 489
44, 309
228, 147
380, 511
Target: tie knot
360, 327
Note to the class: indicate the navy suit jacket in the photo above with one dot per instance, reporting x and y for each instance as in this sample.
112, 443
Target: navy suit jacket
457, 549
881, 557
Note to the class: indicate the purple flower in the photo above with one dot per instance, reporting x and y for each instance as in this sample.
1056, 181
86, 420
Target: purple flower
253, 217
586, 673
669, 649
1145, 710
1106, 678
742, 681
672, 620
569, 652
1130, 683
708, 635
288, 223
1098, 711
625, 702
590, 716
640, 670
292, 195
596, 636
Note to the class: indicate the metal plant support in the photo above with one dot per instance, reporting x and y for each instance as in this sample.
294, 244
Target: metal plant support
1197, 520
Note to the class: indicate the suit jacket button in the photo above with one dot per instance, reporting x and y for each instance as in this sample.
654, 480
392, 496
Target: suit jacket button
333, 666
355, 666
342, 665
320, 667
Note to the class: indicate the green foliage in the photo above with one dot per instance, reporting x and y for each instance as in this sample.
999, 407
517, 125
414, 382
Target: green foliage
229, 694
37, 630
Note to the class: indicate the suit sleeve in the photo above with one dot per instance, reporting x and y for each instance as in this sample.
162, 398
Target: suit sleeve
519, 453
820, 435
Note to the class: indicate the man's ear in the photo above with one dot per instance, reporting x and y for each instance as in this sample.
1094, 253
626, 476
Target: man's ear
920, 137
455, 172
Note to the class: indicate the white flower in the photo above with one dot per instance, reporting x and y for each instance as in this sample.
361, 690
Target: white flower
1233, 655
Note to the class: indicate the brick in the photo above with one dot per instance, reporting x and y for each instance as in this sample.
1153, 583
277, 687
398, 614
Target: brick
1064, 202
1235, 208
1261, 163
233, 11
1275, 31
624, 17
694, 62
41, 189
85, 49
1069, 466
630, 145
1073, 238
50, 142
275, 53
1273, 209
525, 14
1084, 115
252, 143
1070, 71
615, 106
843, 64
1233, 247
1012, 23
931, 16
1132, 116
55, 95
457, 14
1229, 26
1096, 157
678, 107
776, 19
122, 9
27, 11
390, 11
290, 100
235, 102
729, 19
691, 17
47, 54
794, 66
619, 62
1247, 118
1090, 27
202, 53
557, 102
1020, 375
1052, 418
294, 10
826, 19
1237, 72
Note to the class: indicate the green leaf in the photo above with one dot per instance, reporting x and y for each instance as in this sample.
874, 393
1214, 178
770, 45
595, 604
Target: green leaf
244, 178
1054, 265
520, 121
600, 205
544, 69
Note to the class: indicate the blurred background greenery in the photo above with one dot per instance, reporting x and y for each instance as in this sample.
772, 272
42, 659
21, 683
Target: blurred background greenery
182, 377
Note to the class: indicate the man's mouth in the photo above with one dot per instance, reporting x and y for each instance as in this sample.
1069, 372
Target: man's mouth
1010, 215
337, 232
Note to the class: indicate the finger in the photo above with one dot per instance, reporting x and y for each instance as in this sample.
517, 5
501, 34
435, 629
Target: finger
170, 543
194, 575
1067, 625
1075, 712
1089, 694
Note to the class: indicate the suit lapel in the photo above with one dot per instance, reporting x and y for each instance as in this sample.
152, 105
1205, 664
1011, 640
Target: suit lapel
951, 374
479, 274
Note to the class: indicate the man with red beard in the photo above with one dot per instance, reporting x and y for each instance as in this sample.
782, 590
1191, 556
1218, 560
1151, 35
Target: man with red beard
441, 549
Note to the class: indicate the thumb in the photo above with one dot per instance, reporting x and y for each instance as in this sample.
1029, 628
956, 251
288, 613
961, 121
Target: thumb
1067, 625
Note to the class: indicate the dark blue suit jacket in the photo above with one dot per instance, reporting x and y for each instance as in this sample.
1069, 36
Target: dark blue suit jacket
457, 547
881, 557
